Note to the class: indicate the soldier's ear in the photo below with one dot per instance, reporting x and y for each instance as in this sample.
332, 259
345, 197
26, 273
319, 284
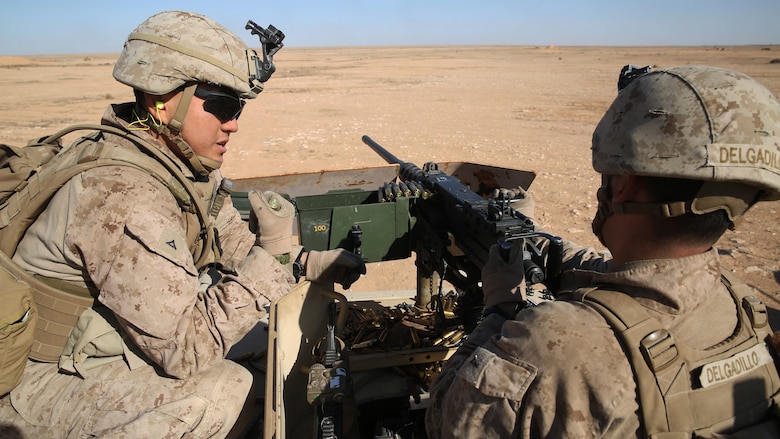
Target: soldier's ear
625, 188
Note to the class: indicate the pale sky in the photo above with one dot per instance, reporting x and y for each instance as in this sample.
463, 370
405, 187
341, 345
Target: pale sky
100, 26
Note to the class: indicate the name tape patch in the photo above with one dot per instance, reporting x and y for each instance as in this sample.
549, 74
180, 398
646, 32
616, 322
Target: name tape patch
744, 155
734, 366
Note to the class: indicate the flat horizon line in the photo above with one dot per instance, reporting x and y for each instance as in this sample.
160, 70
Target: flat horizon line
412, 46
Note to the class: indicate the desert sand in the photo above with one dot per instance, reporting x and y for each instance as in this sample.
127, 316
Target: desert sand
529, 108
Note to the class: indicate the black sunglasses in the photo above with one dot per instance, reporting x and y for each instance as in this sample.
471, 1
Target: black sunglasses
225, 107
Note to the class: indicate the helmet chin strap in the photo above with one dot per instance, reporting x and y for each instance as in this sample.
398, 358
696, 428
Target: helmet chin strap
172, 132
734, 198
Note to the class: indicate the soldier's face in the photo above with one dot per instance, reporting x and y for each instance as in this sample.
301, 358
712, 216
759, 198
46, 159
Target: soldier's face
207, 125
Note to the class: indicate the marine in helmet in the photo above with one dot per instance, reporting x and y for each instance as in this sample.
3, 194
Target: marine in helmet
176, 276
174, 57
684, 153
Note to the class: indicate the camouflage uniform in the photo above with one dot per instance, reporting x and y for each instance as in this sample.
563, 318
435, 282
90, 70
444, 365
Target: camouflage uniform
148, 361
122, 230
558, 370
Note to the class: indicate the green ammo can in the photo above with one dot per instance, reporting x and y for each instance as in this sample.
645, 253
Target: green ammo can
357, 221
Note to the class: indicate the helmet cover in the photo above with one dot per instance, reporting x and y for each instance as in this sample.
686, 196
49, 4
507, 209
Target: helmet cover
693, 122
173, 48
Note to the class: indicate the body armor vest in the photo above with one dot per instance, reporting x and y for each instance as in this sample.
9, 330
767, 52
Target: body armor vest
724, 390
58, 303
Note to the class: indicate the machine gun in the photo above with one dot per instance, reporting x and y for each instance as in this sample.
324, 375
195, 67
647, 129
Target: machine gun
443, 218
455, 229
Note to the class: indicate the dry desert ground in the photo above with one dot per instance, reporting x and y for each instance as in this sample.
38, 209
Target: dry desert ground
530, 108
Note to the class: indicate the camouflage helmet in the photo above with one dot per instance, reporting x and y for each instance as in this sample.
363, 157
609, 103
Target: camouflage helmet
173, 48
698, 123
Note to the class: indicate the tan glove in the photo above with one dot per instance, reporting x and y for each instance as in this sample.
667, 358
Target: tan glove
271, 219
521, 200
338, 265
503, 280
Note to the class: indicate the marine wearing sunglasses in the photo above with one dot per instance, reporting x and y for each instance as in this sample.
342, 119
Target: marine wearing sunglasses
224, 106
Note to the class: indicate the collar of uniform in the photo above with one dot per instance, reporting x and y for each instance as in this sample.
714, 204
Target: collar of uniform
670, 286
119, 115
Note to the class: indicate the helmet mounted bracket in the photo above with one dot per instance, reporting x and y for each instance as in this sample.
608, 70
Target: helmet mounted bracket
270, 43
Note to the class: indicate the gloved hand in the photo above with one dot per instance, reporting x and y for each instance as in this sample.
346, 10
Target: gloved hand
271, 219
338, 265
521, 199
503, 279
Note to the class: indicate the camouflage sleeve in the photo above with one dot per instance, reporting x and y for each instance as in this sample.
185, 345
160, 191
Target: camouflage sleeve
129, 232
585, 258
475, 395
577, 257
557, 370
235, 239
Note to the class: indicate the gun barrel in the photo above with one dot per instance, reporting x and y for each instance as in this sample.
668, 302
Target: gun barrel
379, 149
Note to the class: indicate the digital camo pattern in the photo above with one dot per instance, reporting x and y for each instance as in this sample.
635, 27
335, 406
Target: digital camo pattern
118, 402
156, 69
557, 370
693, 122
124, 231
